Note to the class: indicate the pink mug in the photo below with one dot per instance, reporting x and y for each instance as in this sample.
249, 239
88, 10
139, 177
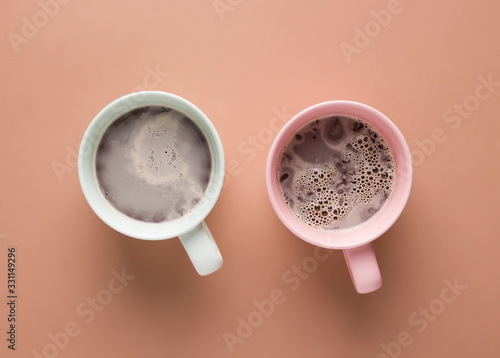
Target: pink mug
356, 241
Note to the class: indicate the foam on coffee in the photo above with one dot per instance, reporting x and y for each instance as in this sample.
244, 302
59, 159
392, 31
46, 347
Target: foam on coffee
154, 164
336, 172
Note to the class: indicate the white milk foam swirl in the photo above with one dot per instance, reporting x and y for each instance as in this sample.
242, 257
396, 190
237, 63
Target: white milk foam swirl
154, 164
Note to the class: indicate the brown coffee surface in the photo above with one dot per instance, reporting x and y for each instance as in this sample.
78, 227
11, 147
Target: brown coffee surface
336, 172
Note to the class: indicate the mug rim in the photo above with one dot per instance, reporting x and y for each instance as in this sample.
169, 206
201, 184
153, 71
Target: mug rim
377, 225
112, 216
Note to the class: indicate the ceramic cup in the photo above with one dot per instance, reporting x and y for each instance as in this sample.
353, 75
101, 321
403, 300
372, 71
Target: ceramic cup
190, 228
355, 242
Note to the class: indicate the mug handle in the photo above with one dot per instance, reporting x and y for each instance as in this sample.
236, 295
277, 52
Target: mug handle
363, 268
202, 249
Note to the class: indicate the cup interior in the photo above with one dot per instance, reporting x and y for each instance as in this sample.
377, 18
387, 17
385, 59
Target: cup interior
90, 186
392, 208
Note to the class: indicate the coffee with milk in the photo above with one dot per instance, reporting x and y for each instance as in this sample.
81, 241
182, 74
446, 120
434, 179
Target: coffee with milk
336, 172
154, 164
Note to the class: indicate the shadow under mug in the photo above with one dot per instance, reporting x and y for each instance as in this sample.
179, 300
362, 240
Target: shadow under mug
355, 242
190, 228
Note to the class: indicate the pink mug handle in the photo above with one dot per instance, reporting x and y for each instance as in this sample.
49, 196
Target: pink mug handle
363, 268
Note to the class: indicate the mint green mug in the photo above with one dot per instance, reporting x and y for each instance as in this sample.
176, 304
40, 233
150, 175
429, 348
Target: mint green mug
190, 228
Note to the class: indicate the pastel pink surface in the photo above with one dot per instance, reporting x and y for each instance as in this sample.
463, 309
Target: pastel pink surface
385, 218
250, 70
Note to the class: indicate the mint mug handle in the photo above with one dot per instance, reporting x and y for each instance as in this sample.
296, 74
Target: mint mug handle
202, 249
363, 268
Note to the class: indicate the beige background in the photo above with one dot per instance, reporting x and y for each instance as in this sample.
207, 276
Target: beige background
242, 62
